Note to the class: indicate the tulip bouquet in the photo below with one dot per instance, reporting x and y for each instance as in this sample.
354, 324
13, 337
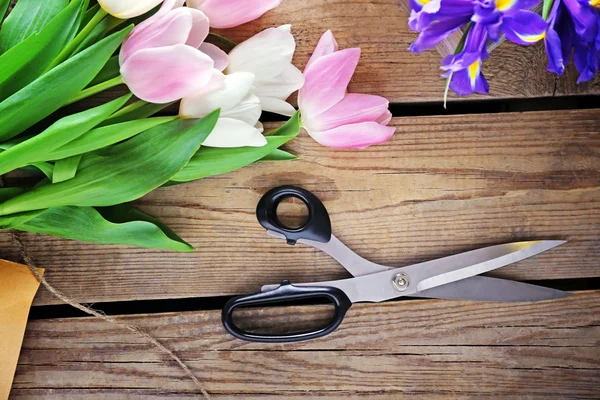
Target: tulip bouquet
566, 26
73, 174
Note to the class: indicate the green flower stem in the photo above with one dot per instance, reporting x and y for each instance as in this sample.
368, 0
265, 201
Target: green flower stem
84, 94
547, 7
223, 39
459, 48
131, 107
66, 52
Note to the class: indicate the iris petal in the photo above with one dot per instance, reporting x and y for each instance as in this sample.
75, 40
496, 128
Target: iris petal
524, 27
469, 81
436, 32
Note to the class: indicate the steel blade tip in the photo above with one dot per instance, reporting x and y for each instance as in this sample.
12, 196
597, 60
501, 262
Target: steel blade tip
550, 244
546, 244
561, 294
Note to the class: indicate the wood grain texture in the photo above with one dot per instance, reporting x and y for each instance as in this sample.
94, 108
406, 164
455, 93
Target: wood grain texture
428, 348
442, 185
387, 68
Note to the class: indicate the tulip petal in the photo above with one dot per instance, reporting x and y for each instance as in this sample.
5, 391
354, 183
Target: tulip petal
384, 118
125, 9
327, 45
200, 27
524, 27
265, 54
282, 85
215, 82
277, 106
202, 102
220, 58
260, 127
353, 108
174, 28
167, 6
195, 3
358, 135
326, 81
247, 110
230, 132
231, 13
166, 74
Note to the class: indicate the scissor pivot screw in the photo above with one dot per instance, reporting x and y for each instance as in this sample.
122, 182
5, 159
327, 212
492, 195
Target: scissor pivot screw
400, 282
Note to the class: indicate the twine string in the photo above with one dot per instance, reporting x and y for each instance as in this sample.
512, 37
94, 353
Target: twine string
99, 314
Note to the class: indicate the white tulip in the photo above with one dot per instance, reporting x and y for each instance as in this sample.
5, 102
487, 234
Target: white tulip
125, 9
268, 55
240, 110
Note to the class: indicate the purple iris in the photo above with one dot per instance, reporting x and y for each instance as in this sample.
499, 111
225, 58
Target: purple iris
574, 26
435, 20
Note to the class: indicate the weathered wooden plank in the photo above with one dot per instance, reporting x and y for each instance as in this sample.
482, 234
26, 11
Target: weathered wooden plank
413, 348
387, 68
380, 29
442, 185
135, 394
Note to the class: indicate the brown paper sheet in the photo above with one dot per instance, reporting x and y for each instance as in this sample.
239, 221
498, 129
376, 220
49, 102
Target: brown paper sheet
17, 288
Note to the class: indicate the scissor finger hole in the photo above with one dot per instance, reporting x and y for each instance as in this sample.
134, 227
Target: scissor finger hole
284, 318
292, 213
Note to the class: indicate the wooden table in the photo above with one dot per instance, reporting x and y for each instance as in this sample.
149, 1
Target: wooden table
443, 184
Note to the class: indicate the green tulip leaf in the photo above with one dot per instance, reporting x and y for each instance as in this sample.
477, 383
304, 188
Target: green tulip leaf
3, 9
27, 60
46, 168
136, 110
279, 155
66, 168
27, 18
15, 220
60, 133
121, 224
54, 89
10, 192
106, 25
210, 161
89, 14
32, 59
123, 172
110, 70
99, 138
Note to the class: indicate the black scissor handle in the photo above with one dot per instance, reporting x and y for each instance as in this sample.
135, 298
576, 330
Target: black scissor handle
286, 292
317, 227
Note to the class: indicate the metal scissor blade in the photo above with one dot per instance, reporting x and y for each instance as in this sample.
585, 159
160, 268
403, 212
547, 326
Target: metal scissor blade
353, 263
442, 271
379, 286
483, 288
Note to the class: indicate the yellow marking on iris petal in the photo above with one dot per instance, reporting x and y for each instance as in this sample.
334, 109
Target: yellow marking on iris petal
595, 3
504, 5
532, 38
422, 2
473, 71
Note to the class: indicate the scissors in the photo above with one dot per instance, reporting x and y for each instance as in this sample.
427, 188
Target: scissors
454, 277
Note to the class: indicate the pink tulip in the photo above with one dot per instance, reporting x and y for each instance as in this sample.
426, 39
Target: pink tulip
161, 61
331, 115
230, 13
